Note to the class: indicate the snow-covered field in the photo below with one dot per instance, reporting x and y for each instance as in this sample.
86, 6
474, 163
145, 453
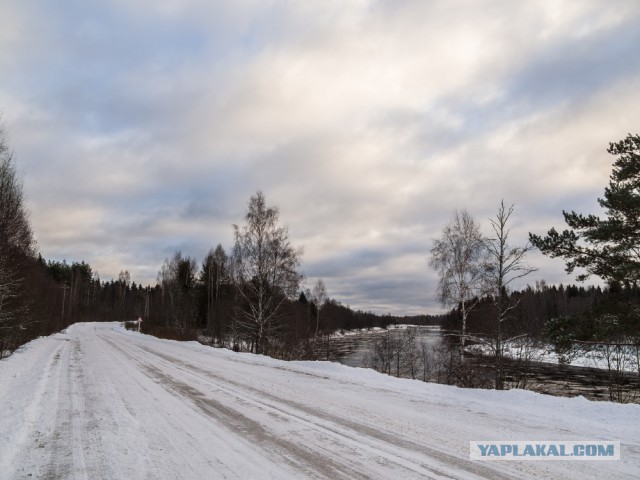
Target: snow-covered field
101, 402
625, 359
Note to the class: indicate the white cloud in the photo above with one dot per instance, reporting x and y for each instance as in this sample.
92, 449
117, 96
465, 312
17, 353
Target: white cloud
143, 127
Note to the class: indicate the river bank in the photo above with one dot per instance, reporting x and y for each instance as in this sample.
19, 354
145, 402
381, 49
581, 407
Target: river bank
355, 348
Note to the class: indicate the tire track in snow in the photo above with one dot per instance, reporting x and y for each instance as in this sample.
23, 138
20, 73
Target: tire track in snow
78, 450
61, 442
63, 457
235, 421
352, 436
222, 453
29, 442
302, 459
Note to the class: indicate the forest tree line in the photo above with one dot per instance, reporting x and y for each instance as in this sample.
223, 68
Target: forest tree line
190, 301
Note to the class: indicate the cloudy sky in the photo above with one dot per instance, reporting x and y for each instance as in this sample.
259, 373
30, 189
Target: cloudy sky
143, 127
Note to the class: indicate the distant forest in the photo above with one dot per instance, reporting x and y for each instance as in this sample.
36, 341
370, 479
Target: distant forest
57, 294
541, 307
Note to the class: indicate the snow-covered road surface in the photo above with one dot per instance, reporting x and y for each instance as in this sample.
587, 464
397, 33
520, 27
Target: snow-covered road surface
100, 402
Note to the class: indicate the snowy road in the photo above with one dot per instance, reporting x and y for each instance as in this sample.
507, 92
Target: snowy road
100, 402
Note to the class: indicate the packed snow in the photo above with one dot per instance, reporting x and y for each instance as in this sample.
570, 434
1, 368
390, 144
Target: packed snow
97, 401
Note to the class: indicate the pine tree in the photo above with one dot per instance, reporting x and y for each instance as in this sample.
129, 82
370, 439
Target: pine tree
607, 247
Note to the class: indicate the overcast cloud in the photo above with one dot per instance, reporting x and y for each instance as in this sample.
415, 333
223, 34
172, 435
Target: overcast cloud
143, 127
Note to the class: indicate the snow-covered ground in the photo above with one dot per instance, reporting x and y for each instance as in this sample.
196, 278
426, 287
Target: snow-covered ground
100, 402
624, 359
376, 330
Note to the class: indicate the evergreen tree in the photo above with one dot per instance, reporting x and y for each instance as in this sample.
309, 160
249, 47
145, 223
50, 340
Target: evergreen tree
607, 247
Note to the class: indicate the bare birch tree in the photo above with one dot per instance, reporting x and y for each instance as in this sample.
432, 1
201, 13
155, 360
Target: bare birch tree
459, 258
505, 265
265, 271
318, 297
